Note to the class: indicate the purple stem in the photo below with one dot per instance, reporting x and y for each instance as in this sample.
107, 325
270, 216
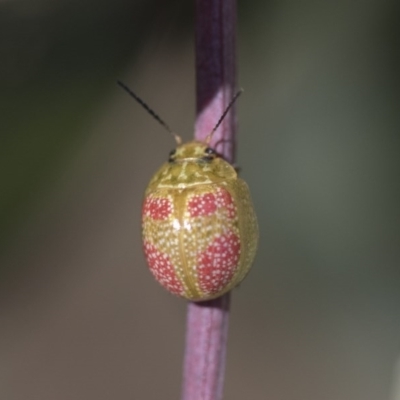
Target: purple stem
207, 322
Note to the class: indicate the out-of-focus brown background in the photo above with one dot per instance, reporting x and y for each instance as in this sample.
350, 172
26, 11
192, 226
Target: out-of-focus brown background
80, 315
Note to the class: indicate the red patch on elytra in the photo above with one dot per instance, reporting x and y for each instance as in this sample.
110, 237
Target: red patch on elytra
157, 207
208, 203
202, 204
224, 199
217, 264
161, 267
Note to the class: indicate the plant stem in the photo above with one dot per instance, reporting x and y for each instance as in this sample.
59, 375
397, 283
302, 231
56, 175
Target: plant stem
207, 322
206, 337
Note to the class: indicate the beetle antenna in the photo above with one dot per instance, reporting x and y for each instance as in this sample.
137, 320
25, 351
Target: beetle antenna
151, 112
232, 102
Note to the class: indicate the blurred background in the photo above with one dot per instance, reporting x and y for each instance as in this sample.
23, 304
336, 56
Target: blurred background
80, 315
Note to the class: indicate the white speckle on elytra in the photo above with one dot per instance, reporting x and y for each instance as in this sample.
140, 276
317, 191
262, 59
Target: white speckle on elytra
176, 224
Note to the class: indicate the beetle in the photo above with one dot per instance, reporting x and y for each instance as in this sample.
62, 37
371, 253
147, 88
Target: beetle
199, 227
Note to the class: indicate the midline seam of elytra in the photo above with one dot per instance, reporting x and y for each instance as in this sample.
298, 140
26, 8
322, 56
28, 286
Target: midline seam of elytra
188, 281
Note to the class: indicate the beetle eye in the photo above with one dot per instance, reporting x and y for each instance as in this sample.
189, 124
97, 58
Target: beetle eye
171, 155
210, 154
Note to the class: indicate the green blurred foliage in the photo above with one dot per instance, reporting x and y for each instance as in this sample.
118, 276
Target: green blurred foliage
60, 59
